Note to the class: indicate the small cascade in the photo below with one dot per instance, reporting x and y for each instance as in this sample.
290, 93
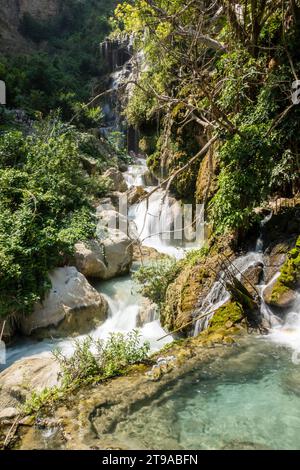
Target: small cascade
119, 56
218, 295
135, 175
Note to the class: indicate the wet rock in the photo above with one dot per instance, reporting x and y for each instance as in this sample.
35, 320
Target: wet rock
10, 329
71, 307
279, 296
143, 253
227, 316
274, 257
24, 377
252, 277
148, 312
114, 220
117, 254
118, 182
282, 292
135, 194
207, 181
8, 413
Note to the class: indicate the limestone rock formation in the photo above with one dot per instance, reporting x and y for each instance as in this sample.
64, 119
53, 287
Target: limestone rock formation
24, 377
71, 307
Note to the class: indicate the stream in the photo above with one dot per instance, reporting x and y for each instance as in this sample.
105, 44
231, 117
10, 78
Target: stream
250, 402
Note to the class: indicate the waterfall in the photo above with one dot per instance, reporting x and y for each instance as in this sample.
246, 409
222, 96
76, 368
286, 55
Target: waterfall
123, 66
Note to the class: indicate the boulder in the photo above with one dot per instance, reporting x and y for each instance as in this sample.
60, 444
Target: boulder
109, 256
142, 253
274, 257
148, 312
207, 180
118, 182
116, 221
252, 277
135, 194
9, 329
24, 377
279, 296
71, 307
117, 252
105, 204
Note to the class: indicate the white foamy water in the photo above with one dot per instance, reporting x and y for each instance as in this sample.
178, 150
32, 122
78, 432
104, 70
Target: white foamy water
288, 333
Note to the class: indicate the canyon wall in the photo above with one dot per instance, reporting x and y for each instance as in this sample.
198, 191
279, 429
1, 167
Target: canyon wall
11, 14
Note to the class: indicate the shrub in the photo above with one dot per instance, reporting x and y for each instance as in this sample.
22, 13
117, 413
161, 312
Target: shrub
98, 359
156, 277
44, 210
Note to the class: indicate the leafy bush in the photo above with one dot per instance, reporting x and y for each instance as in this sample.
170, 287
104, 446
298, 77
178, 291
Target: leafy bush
156, 277
92, 361
98, 359
44, 210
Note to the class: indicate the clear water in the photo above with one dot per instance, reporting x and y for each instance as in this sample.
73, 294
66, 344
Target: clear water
250, 401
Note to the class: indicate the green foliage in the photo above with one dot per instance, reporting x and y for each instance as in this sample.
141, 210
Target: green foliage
101, 359
230, 312
241, 91
92, 361
244, 181
156, 277
44, 210
193, 257
63, 74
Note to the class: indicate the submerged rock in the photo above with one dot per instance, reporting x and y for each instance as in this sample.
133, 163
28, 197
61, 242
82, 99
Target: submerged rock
71, 307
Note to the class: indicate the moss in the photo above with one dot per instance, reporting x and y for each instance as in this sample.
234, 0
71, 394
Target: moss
289, 278
227, 316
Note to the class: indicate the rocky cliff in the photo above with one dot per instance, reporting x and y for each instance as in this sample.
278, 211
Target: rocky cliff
12, 12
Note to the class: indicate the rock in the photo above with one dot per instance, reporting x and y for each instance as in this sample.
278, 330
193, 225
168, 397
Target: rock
107, 257
117, 179
89, 259
71, 307
90, 164
207, 181
24, 377
114, 220
148, 312
105, 204
117, 252
279, 296
8, 413
252, 277
10, 329
274, 257
135, 194
143, 253
282, 292
227, 316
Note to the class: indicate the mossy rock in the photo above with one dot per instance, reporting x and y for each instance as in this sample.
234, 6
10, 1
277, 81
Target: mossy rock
183, 296
282, 292
227, 316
